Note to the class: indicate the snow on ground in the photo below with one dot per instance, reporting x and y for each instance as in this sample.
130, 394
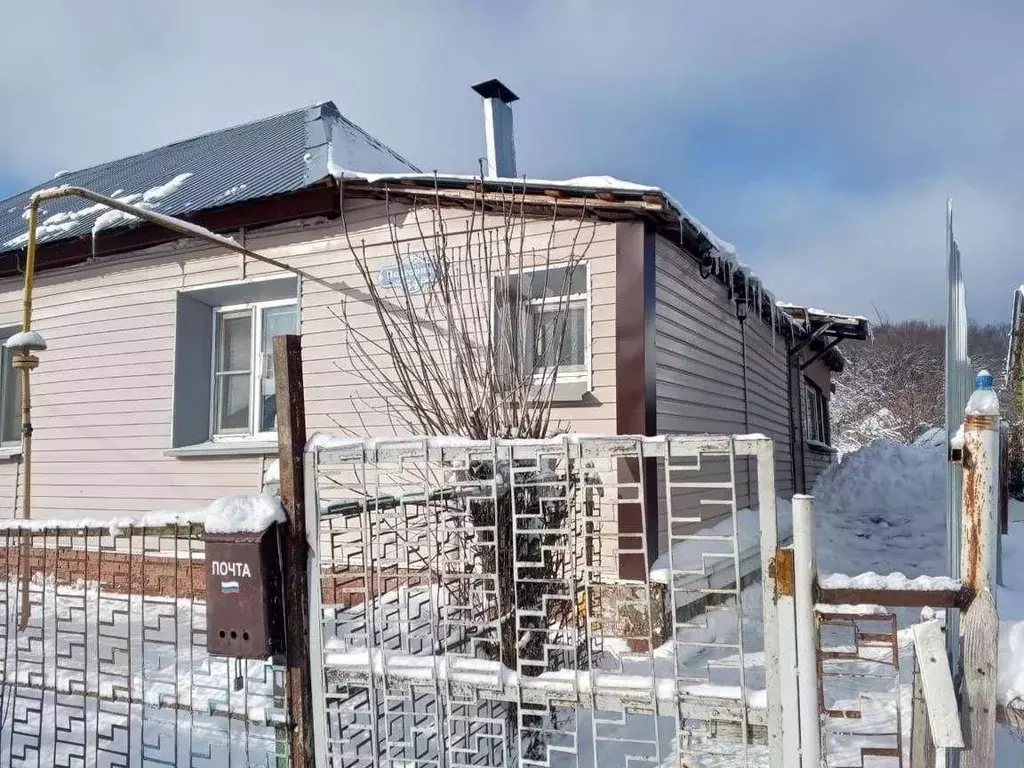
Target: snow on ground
883, 509
690, 553
75, 672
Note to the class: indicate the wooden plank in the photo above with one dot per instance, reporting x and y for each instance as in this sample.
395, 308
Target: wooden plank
922, 749
979, 632
291, 441
937, 682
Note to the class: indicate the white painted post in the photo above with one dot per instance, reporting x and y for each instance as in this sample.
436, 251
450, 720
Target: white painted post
978, 568
807, 654
316, 614
769, 542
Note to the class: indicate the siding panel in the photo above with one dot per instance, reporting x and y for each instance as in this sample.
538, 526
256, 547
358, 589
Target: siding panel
700, 369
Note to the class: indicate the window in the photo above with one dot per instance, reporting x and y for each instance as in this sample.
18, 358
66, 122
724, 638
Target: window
541, 317
816, 419
224, 394
10, 399
243, 371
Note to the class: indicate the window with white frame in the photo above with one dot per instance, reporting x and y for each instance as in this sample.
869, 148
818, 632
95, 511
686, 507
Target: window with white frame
244, 401
542, 316
224, 394
10, 398
816, 417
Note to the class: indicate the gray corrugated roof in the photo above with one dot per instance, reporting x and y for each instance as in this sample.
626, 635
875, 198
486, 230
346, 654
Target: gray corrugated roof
268, 157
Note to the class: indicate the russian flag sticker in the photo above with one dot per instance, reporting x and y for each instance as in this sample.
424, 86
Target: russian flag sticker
229, 587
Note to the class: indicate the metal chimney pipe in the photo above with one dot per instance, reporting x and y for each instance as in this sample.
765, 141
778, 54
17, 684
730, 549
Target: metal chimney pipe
498, 128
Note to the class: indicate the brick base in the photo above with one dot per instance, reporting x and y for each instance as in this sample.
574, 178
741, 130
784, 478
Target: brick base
119, 572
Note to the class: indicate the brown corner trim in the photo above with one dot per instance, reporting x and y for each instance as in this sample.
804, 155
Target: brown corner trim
635, 388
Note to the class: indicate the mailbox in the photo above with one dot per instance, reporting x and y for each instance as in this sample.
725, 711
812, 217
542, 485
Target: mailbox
244, 603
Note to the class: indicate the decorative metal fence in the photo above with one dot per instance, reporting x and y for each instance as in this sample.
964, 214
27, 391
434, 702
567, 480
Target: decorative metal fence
104, 662
473, 602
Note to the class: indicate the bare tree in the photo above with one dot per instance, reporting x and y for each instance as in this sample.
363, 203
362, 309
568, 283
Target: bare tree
473, 322
893, 385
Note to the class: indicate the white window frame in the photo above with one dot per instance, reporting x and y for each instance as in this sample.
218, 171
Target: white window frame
817, 417
6, 370
566, 374
256, 366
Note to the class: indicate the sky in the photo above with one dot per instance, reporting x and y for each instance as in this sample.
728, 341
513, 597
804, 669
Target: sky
821, 138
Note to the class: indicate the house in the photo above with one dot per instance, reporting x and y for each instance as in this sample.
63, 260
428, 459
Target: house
155, 391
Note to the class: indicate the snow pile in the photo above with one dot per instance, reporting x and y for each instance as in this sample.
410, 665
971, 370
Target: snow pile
891, 581
707, 556
1011, 663
883, 509
232, 514
933, 437
244, 514
26, 339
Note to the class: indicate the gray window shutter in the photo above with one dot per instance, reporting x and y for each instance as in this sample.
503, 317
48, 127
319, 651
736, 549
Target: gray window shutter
193, 357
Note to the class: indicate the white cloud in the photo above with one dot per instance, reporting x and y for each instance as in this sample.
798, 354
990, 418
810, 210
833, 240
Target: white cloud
923, 92
886, 253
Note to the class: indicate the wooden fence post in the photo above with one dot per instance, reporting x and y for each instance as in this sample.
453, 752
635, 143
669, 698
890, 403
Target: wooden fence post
922, 750
979, 626
291, 442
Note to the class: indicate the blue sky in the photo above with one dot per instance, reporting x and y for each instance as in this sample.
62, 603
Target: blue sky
822, 139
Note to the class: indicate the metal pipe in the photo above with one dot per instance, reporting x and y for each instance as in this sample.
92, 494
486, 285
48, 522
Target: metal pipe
167, 222
30, 264
24, 361
807, 653
980, 524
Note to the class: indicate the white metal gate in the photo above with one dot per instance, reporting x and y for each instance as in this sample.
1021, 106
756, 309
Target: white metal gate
477, 603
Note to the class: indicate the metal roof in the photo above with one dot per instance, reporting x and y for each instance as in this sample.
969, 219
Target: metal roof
268, 157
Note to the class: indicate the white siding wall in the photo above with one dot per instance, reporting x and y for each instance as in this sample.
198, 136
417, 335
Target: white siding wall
103, 393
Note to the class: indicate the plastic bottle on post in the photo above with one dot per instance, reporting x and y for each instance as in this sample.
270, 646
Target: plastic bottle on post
984, 400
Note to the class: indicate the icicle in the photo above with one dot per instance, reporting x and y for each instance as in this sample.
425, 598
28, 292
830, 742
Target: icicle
773, 309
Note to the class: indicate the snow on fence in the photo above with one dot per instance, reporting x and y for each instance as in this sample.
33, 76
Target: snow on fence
103, 656
478, 603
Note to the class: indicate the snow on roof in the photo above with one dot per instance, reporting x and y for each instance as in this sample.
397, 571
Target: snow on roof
272, 156
593, 183
836, 317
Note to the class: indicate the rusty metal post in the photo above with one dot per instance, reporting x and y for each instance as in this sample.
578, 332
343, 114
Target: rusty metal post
805, 575
978, 567
291, 442
980, 524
